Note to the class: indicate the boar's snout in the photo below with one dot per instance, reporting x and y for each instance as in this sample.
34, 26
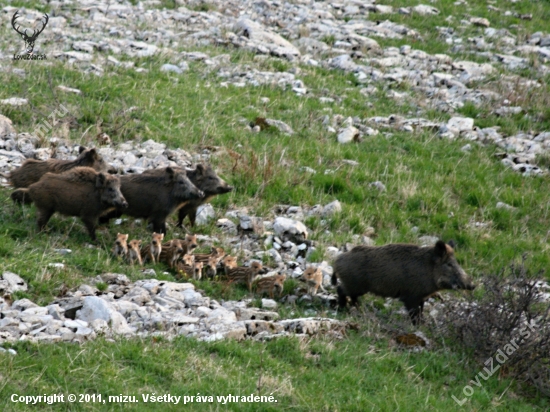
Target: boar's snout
463, 281
122, 203
225, 189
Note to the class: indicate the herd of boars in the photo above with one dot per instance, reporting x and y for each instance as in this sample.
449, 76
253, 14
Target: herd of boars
88, 188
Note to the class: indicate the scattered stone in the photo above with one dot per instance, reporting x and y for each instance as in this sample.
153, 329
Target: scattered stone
502, 205
332, 208
69, 89
424, 10
269, 304
290, 229
14, 101
10, 283
171, 68
6, 127
349, 134
480, 21
378, 185
205, 214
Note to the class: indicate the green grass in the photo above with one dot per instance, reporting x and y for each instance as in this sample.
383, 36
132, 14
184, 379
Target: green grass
354, 374
431, 185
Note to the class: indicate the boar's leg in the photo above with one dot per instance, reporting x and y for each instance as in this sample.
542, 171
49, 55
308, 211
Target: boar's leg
43, 216
113, 214
193, 216
342, 298
182, 213
21, 196
90, 223
414, 306
159, 226
187, 210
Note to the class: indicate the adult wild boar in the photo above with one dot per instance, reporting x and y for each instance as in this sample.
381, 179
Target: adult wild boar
406, 272
32, 170
205, 179
154, 196
79, 192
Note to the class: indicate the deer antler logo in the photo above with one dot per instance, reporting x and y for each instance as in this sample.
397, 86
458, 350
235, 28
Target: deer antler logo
29, 40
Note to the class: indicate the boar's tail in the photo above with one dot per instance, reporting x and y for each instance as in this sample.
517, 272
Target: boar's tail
21, 196
334, 279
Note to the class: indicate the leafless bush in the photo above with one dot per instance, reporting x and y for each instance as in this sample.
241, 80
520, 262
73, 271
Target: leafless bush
513, 311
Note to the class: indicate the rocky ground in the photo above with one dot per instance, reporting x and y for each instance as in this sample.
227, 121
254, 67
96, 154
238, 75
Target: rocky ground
147, 307
334, 35
339, 36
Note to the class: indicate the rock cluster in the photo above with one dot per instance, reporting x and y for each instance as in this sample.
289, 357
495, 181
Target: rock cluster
111, 305
333, 35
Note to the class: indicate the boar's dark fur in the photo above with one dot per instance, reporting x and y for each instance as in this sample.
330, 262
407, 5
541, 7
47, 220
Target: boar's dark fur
81, 192
206, 180
406, 272
32, 170
154, 196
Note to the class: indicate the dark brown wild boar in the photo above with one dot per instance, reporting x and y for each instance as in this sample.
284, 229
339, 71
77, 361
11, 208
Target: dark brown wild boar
79, 192
32, 170
205, 179
189, 243
406, 272
154, 196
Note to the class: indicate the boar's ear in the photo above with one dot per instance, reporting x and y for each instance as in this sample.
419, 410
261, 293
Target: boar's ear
171, 173
92, 153
452, 243
440, 248
100, 180
81, 149
200, 168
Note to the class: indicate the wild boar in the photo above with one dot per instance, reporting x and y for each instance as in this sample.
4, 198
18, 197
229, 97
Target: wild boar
187, 269
152, 250
243, 274
32, 170
79, 192
210, 260
134, 253
189, 243
120, 249
206, 179
406, 272
154, 196
229, 262
313, 277
171, 253
270, 284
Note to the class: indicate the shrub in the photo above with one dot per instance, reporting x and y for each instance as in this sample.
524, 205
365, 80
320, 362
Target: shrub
514, 310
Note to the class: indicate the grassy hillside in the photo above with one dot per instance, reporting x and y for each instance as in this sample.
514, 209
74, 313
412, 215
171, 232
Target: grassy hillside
433, 188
